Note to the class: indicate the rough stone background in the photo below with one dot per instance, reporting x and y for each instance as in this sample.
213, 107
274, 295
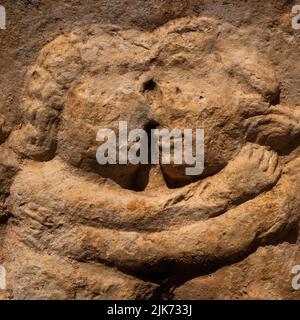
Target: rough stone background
31, 24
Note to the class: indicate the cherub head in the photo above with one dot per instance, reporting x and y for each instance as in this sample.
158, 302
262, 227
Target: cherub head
187, 74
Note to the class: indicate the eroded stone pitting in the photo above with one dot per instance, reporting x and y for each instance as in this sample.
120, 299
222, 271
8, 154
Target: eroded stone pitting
185, 74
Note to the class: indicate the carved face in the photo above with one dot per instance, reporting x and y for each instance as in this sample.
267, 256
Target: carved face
191, 77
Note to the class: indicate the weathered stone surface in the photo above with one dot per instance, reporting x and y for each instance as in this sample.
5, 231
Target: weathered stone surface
33, 275
265, 274
72, 229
